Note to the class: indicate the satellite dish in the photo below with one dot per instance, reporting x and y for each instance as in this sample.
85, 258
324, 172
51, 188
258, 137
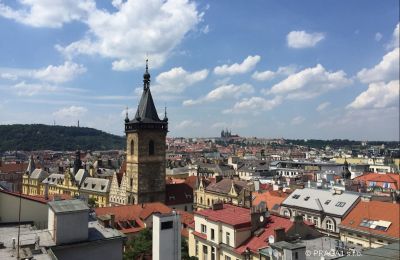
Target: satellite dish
271, 239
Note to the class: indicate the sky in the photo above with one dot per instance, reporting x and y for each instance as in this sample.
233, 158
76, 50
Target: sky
271, 69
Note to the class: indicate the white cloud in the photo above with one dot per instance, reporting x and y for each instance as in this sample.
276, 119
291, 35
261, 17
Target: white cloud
268, 75
378, 95
177, 80
378, 36
54, 74
394, 43
59, 74
48, 13
302, 39
247, 65
222, 92
70, 112
186, 124
254, 105
387, 69
31, 89
297, 120
136, 28
310, 83
322, 106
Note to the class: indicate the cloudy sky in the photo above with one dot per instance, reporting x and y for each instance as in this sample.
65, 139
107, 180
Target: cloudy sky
292, 69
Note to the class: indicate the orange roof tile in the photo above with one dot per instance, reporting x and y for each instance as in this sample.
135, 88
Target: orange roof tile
270, 197
375, 210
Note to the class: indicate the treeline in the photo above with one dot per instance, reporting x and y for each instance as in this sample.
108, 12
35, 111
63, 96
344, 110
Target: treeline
58, 138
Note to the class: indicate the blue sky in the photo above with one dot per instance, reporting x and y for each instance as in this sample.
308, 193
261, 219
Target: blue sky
292, 69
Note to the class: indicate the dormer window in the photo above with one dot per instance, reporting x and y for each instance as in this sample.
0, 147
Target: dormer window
93, 185
103, 187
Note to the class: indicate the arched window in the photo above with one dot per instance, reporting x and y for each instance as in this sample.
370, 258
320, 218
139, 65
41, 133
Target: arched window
132, 147
286, 213
201, 200
151, 147
208, 201
330, 225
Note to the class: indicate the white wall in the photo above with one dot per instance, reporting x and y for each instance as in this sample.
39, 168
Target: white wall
166, 242
30, 210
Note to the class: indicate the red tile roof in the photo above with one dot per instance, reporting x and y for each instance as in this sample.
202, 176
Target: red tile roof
231, 215
270, 197
380, 178
255, 243
191, 181
375, 210
13, 167
139, 213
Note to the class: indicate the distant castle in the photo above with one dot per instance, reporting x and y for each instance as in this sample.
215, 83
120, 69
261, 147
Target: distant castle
226, 133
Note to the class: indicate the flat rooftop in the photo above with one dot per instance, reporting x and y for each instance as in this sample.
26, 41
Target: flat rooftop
28, 236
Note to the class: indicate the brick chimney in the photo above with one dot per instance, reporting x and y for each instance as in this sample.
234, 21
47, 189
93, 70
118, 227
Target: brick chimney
112, 220
279, 234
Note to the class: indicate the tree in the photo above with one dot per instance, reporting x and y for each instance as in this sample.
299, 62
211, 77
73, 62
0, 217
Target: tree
140, 245
91, 202
185, 251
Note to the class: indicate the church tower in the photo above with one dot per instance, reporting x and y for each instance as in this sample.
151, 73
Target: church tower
145, 150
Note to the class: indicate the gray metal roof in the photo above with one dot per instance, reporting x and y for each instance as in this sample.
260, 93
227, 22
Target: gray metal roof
322, 200
96, 184
54, 178
62, 206
39, 174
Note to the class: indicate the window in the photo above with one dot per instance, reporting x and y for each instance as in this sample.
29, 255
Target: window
327, 202
227, 238
131, 182
212, 253
330, 225
307, 198
212, 234
208, 201
132, 147
227, 257
197, 247
372, 183
380, 241
296, 255
386, 185
151, 147
340, 204
166, 225
203, 229
286, 213
296, 196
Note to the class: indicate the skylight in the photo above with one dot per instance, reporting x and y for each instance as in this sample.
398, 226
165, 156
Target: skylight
327, 202
296, 196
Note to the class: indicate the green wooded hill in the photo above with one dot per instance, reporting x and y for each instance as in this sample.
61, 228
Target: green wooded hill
58, 138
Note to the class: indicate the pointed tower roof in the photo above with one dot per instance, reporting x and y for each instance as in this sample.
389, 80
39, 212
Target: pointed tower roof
31, 166
146, 115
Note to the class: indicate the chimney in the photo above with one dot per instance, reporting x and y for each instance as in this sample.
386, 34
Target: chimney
217, 205
218, 178
112, 220
279, 234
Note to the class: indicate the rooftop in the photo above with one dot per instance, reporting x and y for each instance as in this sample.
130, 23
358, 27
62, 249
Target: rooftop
62, 206
231, 215
362, 215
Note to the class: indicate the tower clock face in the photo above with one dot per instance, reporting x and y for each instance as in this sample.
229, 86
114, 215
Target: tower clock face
261, 218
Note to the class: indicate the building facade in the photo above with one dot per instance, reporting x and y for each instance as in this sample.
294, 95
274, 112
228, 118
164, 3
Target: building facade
145, 154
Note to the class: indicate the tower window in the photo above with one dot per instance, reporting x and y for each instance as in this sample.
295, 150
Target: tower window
132, 147
151, 147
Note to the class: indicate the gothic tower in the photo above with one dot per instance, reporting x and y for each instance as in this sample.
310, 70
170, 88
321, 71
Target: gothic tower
145, 150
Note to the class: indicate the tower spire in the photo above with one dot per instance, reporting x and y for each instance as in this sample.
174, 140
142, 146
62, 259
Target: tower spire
146, 77
126, 115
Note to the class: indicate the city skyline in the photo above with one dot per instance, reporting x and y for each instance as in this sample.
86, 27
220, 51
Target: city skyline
268, 69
